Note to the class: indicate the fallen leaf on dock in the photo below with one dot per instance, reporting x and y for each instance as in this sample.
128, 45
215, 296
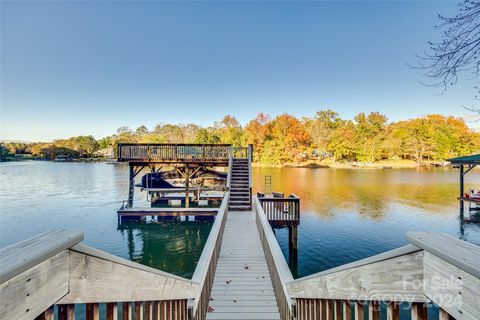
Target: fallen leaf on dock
210, 309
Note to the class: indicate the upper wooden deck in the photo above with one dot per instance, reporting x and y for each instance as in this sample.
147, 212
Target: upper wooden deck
200, 154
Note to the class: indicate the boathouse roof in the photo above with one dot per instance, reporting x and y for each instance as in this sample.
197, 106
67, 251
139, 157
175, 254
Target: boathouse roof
472, 159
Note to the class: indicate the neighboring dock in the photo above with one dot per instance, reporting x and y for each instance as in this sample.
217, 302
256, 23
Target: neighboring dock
242, 287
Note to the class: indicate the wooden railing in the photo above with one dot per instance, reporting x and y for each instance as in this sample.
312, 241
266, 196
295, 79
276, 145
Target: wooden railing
437, 269
210, 153
205, 270
281, 211
54, 269
434, 270
277, 266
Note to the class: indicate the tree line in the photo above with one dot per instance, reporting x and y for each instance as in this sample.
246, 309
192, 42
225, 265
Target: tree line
287, 139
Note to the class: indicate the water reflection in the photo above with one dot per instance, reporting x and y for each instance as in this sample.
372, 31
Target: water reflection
348, 215
172, 246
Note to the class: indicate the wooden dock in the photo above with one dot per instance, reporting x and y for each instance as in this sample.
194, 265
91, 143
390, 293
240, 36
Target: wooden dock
166, 212
242, 287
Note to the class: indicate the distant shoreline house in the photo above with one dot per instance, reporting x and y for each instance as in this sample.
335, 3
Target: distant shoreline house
106, 152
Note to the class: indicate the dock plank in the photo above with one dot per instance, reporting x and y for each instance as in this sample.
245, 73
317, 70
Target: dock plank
242, 287
167, 212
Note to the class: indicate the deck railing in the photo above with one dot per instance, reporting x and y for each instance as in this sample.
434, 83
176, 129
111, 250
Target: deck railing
281, 211
277, 266
435, 269
151, 152
55, 269
205, 270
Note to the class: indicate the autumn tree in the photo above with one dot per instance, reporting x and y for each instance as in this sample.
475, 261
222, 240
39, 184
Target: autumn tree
257, 132
369, 135
287, 141
321, 128
342, 141
230, 131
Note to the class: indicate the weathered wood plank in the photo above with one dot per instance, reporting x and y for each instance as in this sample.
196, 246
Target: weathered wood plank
461, 254
373, 310
451, 288
112, 311
230, 294
419, 311
92, 311
138, 310
48, 314
127, 311
67, 312
32, 292
359, 310
24, 255
393, 311
386, 279
93, 279
347, 310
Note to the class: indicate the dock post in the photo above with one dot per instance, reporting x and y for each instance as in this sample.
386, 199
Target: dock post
131, 186
187, 187
292, 237
292, 248
461, 189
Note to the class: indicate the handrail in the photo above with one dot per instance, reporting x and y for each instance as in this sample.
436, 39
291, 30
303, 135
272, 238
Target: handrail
55, 269
250, 151
278, 267
21, 256
180, 152
280, 210
409, 248
204, 272
230, 168
436, 268
461, 254
92, 252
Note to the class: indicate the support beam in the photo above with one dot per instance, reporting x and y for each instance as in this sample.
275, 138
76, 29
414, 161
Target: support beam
131, 186
187, 187
461, 188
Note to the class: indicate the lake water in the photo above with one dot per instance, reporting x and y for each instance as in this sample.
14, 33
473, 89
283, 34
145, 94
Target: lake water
350, 214
345, 214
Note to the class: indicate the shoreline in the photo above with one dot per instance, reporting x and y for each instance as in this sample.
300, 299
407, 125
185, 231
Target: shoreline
386, 164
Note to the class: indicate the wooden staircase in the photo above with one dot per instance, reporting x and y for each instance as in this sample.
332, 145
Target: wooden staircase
240, 196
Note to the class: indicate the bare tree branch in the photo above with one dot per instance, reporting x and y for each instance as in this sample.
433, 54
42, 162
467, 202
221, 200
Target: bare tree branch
458, 51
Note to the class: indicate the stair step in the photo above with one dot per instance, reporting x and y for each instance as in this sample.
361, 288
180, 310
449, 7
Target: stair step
239, 203
239, 208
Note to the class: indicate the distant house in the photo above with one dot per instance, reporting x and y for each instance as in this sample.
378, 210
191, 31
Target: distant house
106, 152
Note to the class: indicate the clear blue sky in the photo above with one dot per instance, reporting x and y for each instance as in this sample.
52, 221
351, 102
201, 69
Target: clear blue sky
90, 67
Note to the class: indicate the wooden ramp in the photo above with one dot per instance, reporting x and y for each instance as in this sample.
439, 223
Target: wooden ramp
242, 288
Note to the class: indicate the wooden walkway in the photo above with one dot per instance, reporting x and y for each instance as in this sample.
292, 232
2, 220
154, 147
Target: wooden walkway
242, 288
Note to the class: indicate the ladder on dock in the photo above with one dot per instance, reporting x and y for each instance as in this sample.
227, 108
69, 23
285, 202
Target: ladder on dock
268, 185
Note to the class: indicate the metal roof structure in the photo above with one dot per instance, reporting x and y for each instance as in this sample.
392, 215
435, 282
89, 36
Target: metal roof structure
472, 160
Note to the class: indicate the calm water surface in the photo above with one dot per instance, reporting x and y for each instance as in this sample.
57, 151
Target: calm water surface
345, 214
350, 214
37, 196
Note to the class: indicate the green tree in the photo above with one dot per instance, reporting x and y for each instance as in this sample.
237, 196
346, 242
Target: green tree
206, 136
